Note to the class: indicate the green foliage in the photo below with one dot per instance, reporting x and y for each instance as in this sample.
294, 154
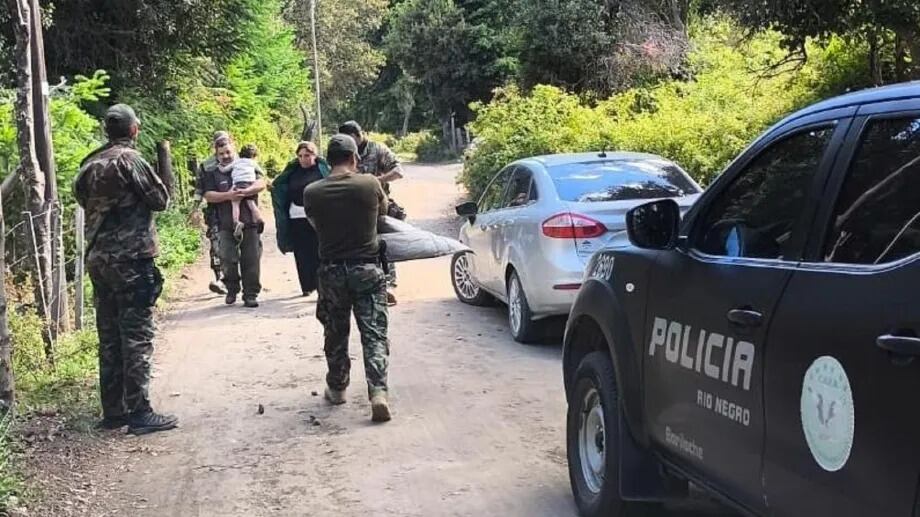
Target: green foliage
180, 242
146, 42
430, 149
349, 55
701, 124
69, 385
432, 41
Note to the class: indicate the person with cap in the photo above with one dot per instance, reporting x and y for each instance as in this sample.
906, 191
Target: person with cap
343, 208
240, 258
212, 231
377, 159
119, 192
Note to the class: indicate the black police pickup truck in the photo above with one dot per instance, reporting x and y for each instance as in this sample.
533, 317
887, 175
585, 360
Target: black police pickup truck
765, 348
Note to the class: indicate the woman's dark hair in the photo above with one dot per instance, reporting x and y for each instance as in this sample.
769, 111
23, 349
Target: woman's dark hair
249, 151
306, 145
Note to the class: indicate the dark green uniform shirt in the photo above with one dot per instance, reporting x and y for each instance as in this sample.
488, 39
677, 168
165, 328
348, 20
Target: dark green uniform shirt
344, 211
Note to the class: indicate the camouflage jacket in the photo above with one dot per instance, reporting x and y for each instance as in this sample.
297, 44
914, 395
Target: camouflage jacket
377, 159
119, 191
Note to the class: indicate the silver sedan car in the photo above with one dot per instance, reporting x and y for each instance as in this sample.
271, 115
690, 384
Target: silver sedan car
539, 221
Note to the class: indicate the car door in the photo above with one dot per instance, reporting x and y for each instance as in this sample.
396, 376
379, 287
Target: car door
484, 231
711, 303
517, 230
842, 369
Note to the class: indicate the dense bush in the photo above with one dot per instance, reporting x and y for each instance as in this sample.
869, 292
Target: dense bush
701, 123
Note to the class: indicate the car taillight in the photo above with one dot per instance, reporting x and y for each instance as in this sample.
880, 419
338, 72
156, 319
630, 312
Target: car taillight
572, 226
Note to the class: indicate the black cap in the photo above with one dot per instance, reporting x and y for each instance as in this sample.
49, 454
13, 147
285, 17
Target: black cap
342, 143
350, 128
119, 119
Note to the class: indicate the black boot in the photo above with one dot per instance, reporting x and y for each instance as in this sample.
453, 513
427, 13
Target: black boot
149, 422
230, 299
110, 423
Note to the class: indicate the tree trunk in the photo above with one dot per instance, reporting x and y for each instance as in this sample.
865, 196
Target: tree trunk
405, 125
32, 175
7, 381
44, 149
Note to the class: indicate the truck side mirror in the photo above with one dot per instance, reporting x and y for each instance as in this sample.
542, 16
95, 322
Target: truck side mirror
654, 225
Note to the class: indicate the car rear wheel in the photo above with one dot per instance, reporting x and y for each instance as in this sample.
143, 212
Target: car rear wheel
520, 318
465, 286
592, 438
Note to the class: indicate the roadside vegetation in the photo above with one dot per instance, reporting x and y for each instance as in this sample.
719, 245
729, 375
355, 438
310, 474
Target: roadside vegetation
731, 94
692, 80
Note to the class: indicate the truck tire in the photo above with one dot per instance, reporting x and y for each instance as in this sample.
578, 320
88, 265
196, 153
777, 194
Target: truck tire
592, 438
520, 318
461, 277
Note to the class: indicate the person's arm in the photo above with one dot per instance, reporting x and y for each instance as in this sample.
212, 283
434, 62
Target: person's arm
383, 201
389, 162
215, 197
147, 184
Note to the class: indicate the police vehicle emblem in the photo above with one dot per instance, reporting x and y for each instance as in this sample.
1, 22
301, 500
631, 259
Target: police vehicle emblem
828, 416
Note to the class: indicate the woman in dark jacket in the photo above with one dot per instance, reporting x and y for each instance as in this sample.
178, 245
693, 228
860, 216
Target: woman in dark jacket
294, 231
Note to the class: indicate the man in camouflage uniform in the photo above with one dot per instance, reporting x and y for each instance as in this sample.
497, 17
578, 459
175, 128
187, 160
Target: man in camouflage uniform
119, 192
210, 218
343, 208
377, 159
240, 259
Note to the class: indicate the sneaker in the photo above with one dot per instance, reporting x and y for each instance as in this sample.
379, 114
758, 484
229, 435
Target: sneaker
391, 299
334, 397
238, 231
380, 408
230, 299
251, 303
217, 287
150, 422
111, 423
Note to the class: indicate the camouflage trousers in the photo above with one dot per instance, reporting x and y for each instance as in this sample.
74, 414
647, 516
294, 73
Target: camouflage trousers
213, 234
358, 289
125, 293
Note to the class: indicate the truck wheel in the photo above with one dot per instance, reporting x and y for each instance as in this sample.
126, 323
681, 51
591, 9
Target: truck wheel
465, 287
592, 438
520, 318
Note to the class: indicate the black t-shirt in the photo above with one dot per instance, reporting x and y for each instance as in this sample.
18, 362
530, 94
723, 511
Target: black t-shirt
215, 181
299, 179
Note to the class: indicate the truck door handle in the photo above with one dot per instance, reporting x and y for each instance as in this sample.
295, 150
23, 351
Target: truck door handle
899, 345
745, 317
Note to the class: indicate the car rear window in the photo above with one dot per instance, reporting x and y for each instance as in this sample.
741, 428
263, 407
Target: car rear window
616, 180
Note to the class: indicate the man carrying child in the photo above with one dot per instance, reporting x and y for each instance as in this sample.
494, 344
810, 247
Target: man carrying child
238, 218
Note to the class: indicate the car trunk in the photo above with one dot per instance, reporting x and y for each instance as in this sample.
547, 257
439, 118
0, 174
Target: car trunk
612, 214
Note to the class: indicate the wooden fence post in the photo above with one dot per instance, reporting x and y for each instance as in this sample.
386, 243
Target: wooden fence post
79, 269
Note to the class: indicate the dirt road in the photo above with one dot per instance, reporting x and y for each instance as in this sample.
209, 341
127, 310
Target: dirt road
479, 419
477, 427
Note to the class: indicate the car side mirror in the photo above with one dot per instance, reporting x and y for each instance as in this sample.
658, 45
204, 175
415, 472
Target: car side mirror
468, 209
655, 225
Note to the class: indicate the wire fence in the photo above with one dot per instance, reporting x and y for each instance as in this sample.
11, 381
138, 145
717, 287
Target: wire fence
54, 262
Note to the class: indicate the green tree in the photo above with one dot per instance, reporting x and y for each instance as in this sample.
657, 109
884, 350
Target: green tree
891, 27
452, 59
599, 46
349, 54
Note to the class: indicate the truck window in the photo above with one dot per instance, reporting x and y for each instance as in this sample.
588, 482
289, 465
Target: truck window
877, 215
754, 217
